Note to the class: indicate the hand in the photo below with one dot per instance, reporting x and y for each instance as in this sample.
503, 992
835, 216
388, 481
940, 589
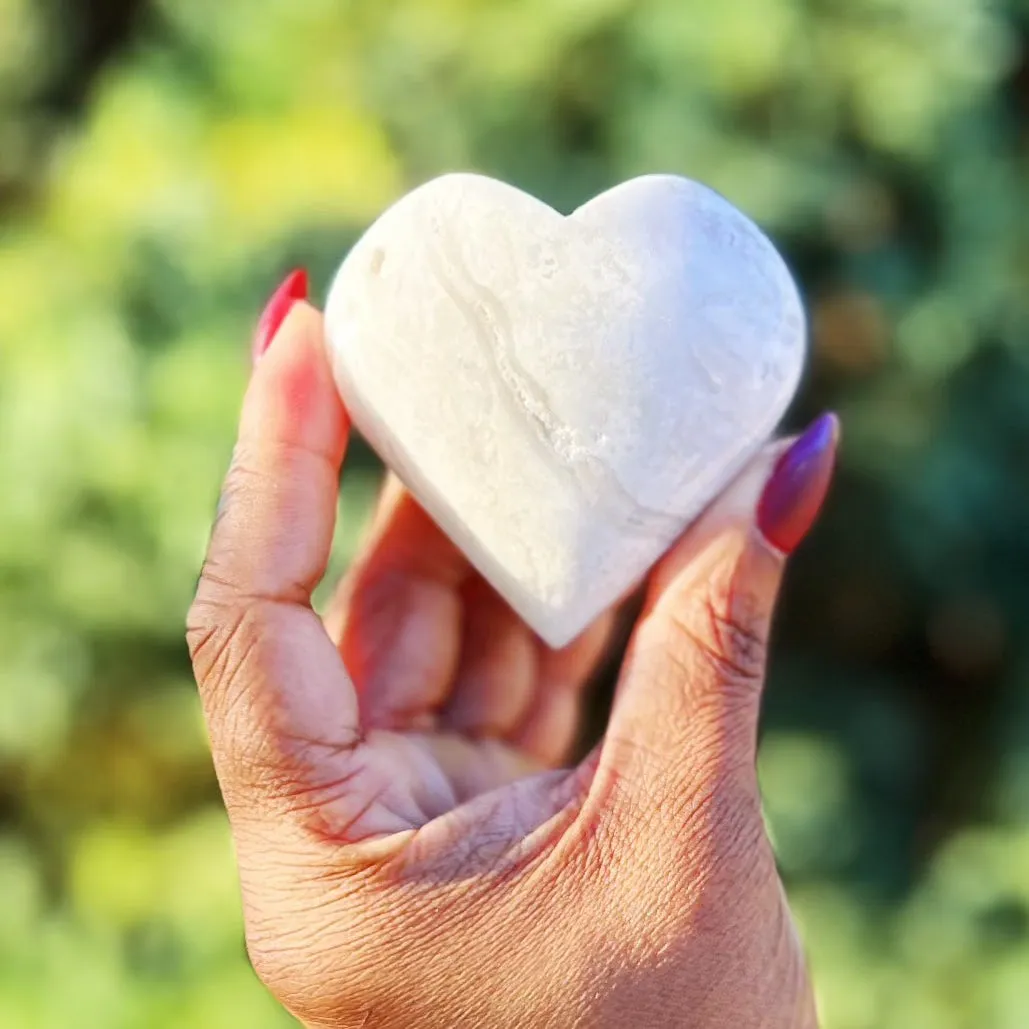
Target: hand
411, 851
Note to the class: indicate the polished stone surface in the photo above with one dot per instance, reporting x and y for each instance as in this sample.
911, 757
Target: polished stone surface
565, 394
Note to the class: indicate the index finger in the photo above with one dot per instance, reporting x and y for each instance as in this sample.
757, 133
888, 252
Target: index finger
271, 681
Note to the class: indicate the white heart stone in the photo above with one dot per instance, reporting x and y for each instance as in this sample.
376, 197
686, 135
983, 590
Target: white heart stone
564, 395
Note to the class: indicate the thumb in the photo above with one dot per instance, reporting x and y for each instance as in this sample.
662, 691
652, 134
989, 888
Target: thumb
686, 709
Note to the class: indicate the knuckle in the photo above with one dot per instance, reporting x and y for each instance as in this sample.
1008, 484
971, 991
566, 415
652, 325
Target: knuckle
224, 620
722, 629
224, 643
221, 638
737, 628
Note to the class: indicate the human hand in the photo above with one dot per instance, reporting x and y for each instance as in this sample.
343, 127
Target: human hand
411, 850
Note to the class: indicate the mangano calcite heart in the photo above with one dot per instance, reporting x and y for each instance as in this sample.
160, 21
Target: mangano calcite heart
564, 395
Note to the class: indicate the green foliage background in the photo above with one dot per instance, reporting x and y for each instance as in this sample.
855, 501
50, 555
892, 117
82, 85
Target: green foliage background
163, 162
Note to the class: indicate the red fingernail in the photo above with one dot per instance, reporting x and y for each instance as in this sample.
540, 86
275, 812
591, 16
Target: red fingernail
796, 489
274, 314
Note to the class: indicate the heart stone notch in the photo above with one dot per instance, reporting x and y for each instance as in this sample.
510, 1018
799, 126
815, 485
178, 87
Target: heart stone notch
564, 395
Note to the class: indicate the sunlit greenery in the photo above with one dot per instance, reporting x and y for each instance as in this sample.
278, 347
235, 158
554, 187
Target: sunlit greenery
164, 162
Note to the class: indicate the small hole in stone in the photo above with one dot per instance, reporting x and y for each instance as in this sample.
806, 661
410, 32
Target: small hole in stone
377, 261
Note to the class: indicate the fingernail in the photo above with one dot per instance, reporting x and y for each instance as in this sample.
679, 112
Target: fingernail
796, 489
293, 289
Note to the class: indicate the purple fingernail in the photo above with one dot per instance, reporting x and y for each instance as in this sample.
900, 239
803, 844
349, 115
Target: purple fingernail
796, 489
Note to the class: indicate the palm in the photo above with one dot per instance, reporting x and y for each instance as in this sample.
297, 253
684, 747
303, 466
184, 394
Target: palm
458, 700
377, 764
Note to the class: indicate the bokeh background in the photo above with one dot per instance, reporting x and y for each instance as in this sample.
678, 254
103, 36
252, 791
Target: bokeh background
164, 162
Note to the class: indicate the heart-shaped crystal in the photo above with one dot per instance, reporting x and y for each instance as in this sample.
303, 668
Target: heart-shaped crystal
564, 395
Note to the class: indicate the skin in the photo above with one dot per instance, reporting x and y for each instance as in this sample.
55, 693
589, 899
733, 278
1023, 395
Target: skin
412, 849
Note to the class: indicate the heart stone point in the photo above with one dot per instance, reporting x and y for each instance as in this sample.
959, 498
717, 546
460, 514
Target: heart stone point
564, 395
